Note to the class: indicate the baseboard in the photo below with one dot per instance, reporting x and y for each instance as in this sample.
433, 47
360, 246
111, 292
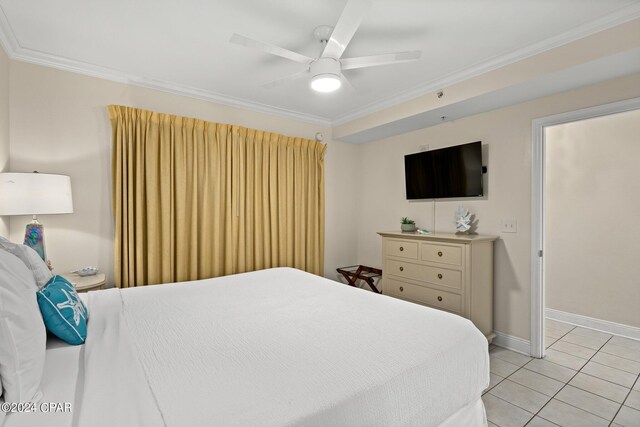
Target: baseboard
512, 343
593, 323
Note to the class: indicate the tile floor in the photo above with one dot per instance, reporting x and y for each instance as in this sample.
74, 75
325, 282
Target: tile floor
588, 378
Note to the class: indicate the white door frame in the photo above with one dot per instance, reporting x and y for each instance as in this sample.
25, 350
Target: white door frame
537, 205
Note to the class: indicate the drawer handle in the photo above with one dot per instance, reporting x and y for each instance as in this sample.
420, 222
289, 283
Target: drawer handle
439, 298
401, 289
401, 268
439, 275
401, 249
439, 253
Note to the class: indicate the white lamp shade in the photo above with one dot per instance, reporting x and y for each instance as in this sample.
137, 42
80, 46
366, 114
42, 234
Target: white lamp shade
35, 194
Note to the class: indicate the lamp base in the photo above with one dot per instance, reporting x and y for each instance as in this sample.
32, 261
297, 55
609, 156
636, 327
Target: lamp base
34, 238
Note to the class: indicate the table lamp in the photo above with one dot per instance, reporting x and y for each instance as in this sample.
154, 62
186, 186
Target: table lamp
35, 194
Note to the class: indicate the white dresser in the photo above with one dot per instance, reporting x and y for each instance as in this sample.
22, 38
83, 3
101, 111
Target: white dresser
444, 271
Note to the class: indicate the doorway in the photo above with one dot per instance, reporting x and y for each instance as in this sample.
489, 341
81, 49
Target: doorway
540, 128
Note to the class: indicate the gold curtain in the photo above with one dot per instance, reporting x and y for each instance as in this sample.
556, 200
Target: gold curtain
194, 199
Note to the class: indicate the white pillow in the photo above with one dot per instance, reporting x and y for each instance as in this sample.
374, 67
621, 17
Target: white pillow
22, 332
31, 259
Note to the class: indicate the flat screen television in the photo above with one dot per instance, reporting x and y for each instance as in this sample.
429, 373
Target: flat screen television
446, 172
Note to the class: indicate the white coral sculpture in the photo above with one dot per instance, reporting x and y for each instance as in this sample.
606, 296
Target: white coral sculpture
463, 219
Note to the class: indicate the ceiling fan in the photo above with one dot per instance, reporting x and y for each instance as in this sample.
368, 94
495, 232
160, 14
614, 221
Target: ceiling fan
326, 71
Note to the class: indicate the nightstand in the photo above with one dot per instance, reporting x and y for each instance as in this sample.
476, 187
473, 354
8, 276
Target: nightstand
86, 283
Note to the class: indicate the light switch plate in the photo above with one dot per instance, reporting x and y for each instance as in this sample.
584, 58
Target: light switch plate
509, 226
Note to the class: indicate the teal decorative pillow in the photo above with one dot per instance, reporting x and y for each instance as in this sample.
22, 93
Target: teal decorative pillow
64, 314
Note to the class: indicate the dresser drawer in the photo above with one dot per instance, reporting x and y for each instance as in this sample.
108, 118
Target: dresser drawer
434, 298
439, 276
445, 254
402, 249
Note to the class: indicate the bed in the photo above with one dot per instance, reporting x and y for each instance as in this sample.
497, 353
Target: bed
274, 347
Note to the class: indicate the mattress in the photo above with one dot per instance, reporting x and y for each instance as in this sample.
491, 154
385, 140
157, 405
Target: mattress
276, 347
61, 383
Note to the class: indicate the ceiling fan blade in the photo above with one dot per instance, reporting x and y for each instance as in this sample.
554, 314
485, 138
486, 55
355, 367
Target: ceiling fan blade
347, 83
375, 60
346, 27
269, 48
285, 79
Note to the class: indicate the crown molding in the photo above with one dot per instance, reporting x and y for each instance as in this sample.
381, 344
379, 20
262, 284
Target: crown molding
65, 64
16, 52
7, 36
619, 17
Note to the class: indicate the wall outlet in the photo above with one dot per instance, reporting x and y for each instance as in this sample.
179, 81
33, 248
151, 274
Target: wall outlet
424, 147
509, 226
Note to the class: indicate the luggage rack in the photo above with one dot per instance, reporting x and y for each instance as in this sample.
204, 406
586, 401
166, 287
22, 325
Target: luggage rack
353, 273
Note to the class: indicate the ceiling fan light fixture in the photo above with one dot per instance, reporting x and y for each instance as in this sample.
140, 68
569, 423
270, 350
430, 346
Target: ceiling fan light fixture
326, 83
326, 75
326, 70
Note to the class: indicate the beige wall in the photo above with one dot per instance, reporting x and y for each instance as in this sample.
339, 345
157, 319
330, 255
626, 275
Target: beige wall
342, 169
59, 124
507, 135
592, 201
4, 127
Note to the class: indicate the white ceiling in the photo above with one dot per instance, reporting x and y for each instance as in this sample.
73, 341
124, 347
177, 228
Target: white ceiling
183, 46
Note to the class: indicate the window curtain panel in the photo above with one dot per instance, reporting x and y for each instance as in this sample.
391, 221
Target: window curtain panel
195, 199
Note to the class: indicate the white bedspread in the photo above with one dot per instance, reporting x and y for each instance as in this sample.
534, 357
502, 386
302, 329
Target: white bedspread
275, 347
